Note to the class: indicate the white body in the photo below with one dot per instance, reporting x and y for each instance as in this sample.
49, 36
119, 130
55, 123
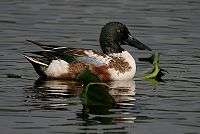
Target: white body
60, 67
115, 74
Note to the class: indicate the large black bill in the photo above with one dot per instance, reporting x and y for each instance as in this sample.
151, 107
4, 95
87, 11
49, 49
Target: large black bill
136, 43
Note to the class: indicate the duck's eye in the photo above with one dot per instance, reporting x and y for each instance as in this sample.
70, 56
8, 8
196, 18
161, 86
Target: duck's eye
118, 31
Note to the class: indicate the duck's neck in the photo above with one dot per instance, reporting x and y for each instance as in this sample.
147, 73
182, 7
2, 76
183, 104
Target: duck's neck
110, 49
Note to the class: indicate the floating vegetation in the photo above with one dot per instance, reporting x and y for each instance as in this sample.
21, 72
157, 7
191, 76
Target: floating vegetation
156, 67
156, 73
96, 98
95, 95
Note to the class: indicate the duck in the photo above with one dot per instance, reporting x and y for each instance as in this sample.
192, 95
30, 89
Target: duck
113, 63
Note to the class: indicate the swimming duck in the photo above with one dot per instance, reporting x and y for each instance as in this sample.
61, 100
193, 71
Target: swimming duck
113, 63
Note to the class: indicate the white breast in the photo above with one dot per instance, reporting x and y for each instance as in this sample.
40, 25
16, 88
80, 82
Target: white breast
116, 74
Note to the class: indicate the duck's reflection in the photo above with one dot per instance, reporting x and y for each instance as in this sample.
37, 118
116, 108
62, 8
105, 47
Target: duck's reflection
58, 87
121, 91
60, 95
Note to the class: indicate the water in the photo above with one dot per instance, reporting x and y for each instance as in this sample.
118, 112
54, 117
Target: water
171, 27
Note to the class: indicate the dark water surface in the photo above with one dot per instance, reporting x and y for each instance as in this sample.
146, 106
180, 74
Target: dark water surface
172, 27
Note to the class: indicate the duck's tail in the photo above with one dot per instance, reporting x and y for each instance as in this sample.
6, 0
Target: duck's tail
38, 66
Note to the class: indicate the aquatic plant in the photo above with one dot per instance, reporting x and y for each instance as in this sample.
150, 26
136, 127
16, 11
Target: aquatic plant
156, 72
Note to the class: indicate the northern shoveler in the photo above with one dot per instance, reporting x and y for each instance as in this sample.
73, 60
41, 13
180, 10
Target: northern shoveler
114, 63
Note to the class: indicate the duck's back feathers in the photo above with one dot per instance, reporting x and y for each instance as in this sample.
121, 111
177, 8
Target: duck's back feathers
64, 62
69, 54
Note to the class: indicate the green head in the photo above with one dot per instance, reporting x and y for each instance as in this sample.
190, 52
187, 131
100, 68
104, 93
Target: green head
115, 34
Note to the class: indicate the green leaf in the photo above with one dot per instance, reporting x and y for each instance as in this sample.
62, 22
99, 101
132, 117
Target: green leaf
96, 98
153, 74
97, 94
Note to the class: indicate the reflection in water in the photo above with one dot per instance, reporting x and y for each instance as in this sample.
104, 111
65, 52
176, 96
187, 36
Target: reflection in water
58, 87
59, 95
122, 91
53, 94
